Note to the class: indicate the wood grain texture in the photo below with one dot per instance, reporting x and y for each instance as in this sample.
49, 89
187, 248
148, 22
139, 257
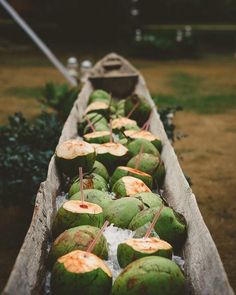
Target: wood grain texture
203, 267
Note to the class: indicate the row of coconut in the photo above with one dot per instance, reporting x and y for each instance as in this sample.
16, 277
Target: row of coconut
122, 170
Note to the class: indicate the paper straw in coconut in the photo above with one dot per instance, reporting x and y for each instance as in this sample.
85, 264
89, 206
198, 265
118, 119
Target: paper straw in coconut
154, 221
95, 240
81, 185
90, 123
110, 125
139, 156
133, 109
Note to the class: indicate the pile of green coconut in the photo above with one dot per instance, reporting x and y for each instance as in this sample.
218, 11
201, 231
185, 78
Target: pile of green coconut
115, 171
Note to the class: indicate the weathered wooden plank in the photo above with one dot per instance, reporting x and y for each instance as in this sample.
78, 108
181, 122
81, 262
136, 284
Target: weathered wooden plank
204, 269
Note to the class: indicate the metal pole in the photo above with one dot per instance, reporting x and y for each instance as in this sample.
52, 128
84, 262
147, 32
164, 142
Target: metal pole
38, 42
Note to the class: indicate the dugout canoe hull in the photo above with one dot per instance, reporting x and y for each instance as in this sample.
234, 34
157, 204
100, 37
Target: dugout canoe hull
203, 267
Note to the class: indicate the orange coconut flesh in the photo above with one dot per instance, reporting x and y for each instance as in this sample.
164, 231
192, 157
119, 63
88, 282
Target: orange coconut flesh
81, 262
122, 122
136, 171
141, 134
148, 245
134, 185
96, 134
112, 148
76, 206
97, 105
73, 148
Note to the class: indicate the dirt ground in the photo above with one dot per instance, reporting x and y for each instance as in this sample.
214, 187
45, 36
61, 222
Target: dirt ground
207, 154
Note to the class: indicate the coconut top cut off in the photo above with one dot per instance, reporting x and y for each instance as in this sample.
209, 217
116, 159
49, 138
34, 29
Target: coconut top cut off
122, 122
81, 262
112, 148
77, 206
133, 170
97, 105
73, 148
96, 134
148, 245
134, 134
134, 185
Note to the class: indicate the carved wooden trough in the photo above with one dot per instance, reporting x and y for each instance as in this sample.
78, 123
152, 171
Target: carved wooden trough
203, 267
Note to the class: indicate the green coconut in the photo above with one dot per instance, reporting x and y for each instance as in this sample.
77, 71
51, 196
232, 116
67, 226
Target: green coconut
128, 186
100, 107
123, 123
73, 213
72, 154
95, 118
133, 249
97, 127
80, 272
155, 140
122, 171
145, 162
121, 212
120, 110
92, 181
99, 95
142, 111
94, 196
97, 137
152, 275
149, 199
141, 231
160, 174
135, 146
170, 226
78, 238
112, 155
101, 170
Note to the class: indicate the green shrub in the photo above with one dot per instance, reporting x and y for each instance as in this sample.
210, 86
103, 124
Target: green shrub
59, 97
25, 151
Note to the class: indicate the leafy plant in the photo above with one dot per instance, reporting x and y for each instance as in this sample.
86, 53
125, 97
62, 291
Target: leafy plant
25, 151
166, 114
59, 97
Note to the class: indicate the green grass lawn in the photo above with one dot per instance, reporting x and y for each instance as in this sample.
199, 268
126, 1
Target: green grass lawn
188, 93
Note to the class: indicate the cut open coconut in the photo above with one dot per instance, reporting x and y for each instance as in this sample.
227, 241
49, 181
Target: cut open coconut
171, 226
74, 213
122, 171
78, 238
80, 272
92, 181
72, 154
128, 186
119, 123
112, 154
152, 275
133, 249
155, 140
98, 107
97, 137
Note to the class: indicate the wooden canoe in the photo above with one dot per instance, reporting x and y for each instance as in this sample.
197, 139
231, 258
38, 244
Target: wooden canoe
203, 267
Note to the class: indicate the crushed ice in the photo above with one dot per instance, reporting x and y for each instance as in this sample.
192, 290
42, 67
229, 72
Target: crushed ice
178, 260
115, 236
